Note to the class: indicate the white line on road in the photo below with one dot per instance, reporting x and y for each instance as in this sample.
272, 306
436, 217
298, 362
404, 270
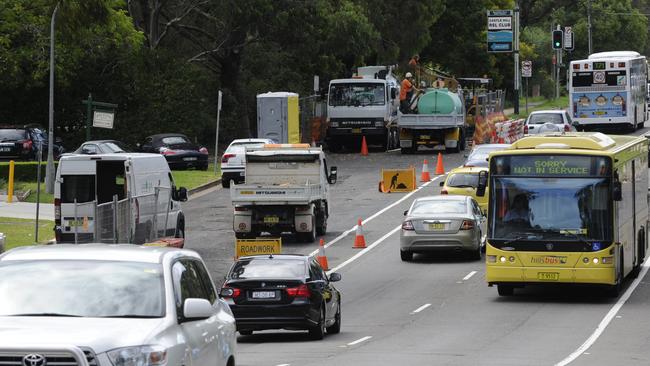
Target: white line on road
606, 320
366, 250
345, 233
420, 308
283, 364
359, 340
469, 276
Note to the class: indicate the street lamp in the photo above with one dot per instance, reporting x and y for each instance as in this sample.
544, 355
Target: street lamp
49, 170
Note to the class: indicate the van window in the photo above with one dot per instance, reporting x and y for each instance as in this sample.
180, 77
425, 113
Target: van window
81, 187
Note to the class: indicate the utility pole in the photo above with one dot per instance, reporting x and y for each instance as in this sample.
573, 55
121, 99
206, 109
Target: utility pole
558, 63
589, 23
49, 170
516, 56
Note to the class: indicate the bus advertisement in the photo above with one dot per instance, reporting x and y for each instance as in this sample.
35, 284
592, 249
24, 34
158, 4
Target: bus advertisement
567, 208
609, 89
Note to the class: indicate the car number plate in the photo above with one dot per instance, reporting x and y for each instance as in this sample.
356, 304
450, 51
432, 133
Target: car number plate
437, 226
356, 130
548, 276
190, 159
5, 149
271, 219
263, 294
425, 137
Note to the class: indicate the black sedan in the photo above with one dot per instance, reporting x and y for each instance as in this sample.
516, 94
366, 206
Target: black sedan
23, 143
283, 292
102, 147
180, 152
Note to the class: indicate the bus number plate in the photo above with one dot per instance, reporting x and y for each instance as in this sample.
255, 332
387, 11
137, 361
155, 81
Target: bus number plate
548, 276
271, 219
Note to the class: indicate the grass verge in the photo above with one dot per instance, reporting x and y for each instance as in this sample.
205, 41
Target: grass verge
194, 178
561, 103
20, 232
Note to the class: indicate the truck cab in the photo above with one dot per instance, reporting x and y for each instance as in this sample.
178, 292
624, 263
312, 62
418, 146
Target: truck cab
364, 105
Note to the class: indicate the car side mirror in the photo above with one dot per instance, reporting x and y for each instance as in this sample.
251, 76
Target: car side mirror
482, 183
335, 277
617, 191
393, 93
442, 183
180, 194
331, 179
197, 309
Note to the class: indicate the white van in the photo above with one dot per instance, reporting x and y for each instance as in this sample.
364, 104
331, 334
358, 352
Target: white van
123, 197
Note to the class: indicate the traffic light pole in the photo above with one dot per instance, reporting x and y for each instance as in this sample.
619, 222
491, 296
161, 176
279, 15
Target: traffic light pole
516, 56
558, 62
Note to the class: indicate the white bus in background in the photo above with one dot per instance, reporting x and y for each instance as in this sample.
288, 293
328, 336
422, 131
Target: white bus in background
609, 89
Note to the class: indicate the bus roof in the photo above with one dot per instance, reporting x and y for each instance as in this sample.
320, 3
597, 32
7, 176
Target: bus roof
614, 54
561, 142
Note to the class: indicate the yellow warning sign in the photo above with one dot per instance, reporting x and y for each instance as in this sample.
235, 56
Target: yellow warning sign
244, 247
398, 180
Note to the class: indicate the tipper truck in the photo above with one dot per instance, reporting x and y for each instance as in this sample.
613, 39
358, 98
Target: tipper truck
364, 105
285, 190
438, 122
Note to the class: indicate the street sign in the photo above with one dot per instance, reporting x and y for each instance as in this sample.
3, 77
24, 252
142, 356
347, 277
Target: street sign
103, 119
526, 69
568, 39
244, 247
500, 31
398, 180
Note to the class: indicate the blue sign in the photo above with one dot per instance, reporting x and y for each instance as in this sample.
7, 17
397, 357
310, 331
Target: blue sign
500, 30
499, 47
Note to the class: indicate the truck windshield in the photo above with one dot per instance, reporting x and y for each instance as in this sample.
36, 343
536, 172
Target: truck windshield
546, 210
357, 94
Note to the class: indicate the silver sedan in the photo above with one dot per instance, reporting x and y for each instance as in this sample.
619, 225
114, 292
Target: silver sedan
440, 223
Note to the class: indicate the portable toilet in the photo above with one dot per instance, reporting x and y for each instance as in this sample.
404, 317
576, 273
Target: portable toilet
278, 117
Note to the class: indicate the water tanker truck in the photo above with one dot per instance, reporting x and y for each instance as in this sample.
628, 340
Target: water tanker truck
437, 121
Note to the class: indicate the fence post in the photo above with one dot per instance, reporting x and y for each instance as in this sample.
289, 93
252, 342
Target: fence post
115, 213
76, 226
129, 234
169, 199
154, 227
96, 237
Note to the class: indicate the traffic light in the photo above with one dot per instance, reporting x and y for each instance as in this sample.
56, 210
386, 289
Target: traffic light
558, 37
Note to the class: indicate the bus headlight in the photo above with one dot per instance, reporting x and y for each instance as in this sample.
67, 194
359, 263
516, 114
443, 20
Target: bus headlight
492, 258
502, 259
607, 260
585, 260
596, 260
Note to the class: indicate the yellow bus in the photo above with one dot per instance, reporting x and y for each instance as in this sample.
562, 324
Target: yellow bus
567, 208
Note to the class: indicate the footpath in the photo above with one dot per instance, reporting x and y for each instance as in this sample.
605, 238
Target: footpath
25, 210
522, 108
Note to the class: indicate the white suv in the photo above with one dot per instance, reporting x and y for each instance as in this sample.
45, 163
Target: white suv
111, 305
233, 160
552, 120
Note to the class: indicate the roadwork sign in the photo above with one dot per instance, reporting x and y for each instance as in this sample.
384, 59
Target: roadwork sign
244, 247
398, 180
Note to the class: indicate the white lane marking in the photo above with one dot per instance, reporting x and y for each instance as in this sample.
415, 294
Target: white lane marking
393, 150
366, 250
420, 308
607, 319
359, 340
469, 276
284, 364
345, 233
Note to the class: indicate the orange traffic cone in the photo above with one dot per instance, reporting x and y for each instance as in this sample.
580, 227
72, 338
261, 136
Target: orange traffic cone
359, 240
425, 177
364, 147
322, 258
440, 169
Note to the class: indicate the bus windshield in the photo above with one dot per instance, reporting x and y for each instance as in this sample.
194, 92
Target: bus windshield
534, 209
357, 94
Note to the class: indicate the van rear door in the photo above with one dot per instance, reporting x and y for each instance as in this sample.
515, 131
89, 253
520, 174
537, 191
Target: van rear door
77, 185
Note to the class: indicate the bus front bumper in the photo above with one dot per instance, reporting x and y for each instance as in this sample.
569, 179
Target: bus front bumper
507, 274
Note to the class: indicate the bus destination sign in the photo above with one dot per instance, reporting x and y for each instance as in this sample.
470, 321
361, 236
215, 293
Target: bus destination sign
543, 165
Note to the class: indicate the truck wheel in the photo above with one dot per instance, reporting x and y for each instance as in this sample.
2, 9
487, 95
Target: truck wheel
225, 183
321, 229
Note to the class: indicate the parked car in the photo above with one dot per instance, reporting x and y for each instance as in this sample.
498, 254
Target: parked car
180, 152
233, 160
479, 154
283, 292
23, 142
102, 147
552, 120
442, 223
464, 181
113, 305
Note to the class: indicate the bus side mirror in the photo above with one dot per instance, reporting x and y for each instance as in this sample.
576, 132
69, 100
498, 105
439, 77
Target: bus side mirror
617, 191
393, 93
482, 183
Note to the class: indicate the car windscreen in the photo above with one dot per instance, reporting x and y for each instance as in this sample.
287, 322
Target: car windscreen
174, 140
9, 134
541, 118
462, 180
81, 288
439, 207
268, 268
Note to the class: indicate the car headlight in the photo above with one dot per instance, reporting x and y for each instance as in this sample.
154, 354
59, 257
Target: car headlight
138, 356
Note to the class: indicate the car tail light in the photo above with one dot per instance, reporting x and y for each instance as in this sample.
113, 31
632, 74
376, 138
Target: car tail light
203, 150
241, 209
225, 157
407, 225
467, 225
567, 128
444, 191
166, 151
27, 145
300, 291
230, 292
57, 212
303, 208
525, 129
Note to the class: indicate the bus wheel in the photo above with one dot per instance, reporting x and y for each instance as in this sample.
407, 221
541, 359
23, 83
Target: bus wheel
505, 290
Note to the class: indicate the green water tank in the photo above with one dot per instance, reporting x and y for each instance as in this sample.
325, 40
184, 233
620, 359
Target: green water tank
439, 101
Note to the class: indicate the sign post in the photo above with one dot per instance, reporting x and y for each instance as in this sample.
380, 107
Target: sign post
216, 140
526, 72
98, 114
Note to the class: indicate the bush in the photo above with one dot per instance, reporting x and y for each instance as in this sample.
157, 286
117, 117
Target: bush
23, 171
